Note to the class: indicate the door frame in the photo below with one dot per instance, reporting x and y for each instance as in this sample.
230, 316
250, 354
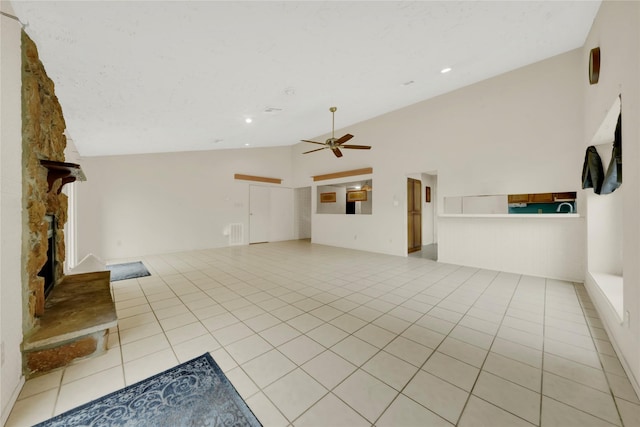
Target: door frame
253, 204
414, 228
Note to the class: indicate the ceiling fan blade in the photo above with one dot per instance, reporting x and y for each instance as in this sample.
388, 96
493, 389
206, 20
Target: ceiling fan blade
357, 147
337, 152
313, 142
318, 149
343, 139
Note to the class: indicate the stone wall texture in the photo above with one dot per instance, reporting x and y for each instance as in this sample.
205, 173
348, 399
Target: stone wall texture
42, 139
45, 360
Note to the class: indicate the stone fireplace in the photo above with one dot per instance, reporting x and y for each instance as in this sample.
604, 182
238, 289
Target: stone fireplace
74, 320
48, 271
42, 138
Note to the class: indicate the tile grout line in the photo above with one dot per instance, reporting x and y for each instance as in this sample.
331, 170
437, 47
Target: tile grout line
544, 333
481, 368
113, 292
379, 350
64, 369
354, 308
276, 348
578, 383
606, 377
330, 391
436, 349
124, 376
397, 305
351, 334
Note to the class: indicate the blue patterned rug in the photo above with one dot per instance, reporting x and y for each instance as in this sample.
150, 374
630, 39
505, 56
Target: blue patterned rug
195, 393
128, 270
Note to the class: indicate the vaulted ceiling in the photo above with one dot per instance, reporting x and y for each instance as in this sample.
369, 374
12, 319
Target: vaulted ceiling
164, 76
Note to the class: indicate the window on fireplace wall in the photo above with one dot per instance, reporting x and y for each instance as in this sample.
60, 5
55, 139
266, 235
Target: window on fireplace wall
70, 240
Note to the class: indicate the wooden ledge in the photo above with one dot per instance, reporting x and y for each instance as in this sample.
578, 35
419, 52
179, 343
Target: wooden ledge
68, 172
343, 174
257, 178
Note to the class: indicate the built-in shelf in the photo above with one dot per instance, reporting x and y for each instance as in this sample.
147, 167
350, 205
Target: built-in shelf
68, 172
520, 216
257, 178
611, 286
343, 174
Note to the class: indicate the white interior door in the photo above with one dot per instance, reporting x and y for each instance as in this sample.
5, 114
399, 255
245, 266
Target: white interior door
259, 213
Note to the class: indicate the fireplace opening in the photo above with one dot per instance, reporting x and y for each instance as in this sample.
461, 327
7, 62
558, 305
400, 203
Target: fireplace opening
48, 271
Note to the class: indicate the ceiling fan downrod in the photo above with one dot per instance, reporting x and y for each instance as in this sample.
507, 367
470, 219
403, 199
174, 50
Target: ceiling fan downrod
333, 121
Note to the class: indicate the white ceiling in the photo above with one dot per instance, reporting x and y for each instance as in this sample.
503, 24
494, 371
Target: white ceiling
151, 76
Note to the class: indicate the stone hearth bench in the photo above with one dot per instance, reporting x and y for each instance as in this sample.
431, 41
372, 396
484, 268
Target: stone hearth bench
77, 317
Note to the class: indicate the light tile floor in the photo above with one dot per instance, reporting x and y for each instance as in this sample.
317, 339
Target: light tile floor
320, 336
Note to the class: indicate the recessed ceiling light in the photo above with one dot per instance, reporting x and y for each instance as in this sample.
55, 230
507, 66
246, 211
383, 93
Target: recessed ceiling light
247, 144
445, 70
248, 120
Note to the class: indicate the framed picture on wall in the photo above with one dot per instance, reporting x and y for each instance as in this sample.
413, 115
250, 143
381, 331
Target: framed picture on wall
357, 196
427, 194
327, 197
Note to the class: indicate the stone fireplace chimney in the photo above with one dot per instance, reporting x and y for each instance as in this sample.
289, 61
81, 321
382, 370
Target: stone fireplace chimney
42, 139
79, 310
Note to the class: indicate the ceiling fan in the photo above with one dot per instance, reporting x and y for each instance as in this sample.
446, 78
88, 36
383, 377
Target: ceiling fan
336, 144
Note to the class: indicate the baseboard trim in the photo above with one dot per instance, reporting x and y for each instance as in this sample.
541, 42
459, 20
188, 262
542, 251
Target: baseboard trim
607, 312
6, 411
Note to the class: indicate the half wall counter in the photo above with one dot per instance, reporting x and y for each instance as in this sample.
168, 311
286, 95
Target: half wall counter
550, 245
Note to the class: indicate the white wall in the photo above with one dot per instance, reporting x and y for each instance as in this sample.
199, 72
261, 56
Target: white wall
365, 207
485, 204
606, 232
10, 212
616, 32
281, 220
71, 155
543, 246
606, 228
159, 203
429, 211
302, 215
339, 206
520, 132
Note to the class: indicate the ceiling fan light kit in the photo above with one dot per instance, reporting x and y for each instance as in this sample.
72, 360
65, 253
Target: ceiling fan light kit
336, 144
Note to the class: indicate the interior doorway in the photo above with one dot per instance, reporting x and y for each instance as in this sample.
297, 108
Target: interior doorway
425, 185
414, 215
430, 216
271, 214
259, 207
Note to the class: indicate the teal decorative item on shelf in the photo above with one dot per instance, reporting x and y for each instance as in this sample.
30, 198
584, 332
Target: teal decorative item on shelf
543, 208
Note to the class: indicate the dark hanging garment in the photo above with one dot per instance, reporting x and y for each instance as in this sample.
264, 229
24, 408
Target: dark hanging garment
613, 178
592, 171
